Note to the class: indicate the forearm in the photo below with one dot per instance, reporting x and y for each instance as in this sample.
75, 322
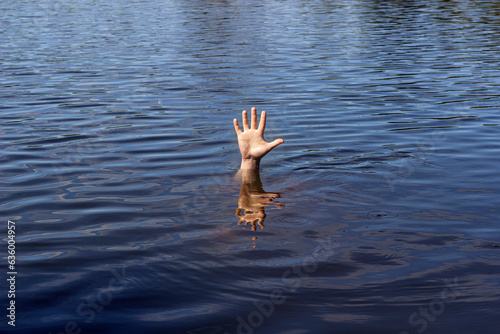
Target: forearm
250, 163
250, 182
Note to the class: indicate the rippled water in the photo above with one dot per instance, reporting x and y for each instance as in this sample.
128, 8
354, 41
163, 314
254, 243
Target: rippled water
119, 166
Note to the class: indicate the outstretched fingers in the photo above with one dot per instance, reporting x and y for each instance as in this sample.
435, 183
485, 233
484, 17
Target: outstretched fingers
253, 121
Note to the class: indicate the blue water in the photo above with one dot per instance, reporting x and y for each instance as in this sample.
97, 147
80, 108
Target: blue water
119, 166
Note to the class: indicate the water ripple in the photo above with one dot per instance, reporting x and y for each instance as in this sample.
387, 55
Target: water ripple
118, 156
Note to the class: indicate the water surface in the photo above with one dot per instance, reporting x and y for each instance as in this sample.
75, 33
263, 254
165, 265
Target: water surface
119, 163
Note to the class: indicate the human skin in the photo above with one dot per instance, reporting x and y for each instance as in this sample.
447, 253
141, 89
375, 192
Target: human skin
253, 146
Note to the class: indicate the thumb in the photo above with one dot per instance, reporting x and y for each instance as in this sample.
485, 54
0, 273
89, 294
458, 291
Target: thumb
275, 143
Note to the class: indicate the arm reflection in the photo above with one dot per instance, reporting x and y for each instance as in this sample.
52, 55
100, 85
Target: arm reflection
253, 200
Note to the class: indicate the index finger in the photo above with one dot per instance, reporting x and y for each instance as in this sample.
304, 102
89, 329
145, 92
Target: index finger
262, 124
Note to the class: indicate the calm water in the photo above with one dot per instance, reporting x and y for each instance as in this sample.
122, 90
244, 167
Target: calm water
119, 162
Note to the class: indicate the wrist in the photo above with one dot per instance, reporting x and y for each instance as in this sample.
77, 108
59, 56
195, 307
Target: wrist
250, 163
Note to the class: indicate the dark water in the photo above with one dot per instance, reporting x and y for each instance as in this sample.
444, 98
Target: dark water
119, 160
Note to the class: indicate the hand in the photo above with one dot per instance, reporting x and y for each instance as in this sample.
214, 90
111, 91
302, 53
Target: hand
253, 146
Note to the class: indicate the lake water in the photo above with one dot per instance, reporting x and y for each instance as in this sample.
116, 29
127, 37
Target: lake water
119, 166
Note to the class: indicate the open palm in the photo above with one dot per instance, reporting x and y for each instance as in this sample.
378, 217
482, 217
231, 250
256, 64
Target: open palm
251, 140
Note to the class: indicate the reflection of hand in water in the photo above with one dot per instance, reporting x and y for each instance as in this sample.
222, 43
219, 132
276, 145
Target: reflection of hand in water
253, 200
